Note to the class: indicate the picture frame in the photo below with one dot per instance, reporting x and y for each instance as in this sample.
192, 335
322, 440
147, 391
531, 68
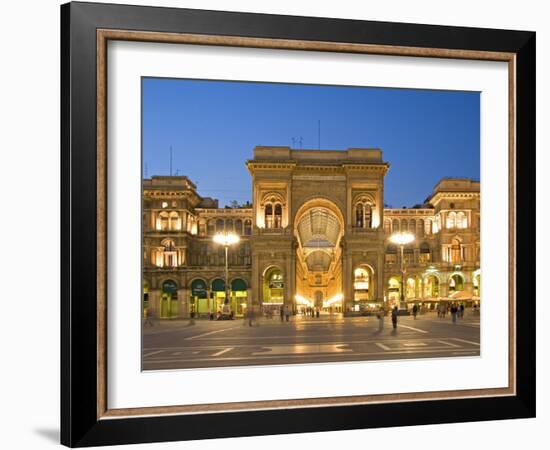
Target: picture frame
86, 418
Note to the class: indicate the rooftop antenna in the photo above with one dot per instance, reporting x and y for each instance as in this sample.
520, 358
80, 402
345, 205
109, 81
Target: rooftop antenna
170, 160
293, 142
301, 140
319, 134
177, 171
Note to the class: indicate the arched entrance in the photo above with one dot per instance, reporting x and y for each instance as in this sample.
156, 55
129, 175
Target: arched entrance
319, 226
410, 289
431, 287
169, 300
273, 289
456, 283
199, 303
394, 291
218, 295
477, 283
145, 303
363, 288
239, 296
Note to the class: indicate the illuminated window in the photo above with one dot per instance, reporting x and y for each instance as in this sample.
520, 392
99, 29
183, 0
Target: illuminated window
455, 251
269, 215
361, 284
451, 220
461, 220
273, 214
248, 227
425, 254
363, 213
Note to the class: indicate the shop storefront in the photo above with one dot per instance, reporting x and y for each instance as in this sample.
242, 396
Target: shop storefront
199, 301
169, 300
239, 297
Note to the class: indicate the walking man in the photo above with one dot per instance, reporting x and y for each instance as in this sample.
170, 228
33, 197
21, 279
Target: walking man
394, 317
415, 310
287, 312
454, 312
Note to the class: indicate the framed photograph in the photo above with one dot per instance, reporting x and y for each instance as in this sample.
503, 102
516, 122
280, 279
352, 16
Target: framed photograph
276, 224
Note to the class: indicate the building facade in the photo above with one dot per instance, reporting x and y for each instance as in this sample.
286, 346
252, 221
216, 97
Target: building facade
316, 234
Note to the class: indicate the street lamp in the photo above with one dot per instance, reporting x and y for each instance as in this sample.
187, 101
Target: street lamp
403, 238
226, 239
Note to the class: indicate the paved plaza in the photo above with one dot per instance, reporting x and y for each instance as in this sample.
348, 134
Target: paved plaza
179, 345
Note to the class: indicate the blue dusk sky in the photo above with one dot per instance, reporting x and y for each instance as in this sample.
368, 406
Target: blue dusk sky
213, 126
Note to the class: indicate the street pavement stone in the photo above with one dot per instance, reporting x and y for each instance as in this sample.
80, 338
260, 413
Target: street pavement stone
177, 344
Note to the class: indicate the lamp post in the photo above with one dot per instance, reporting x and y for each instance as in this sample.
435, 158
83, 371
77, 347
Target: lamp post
226, 239
402, 238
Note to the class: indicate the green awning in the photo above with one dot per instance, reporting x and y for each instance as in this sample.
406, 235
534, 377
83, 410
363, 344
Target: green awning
198, 288
238, 284
169, 286
218, 285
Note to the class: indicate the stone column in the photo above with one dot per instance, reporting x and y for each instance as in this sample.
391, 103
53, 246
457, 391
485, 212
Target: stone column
380, 278
347, 281
292, 274
254, 279
154, 302
183, 307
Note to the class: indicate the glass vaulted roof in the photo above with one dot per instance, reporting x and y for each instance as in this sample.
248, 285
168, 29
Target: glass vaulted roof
319, 227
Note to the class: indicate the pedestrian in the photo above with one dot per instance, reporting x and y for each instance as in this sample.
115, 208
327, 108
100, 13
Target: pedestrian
287, 312
380, 317
462, 310
250, 314
454, 311
317, 311
415, 310
394, 317
148, 317
282, 313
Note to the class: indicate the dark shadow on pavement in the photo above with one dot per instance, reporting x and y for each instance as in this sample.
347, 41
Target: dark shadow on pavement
50, 434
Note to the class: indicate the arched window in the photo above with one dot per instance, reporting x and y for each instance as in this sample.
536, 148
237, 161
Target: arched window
269, 215
248, 227
461, 220
363, 213
278, 216
387, 226
163, 221
174, 221
219, 225
202, 228
359, 215
211, 227
391, 254
451, 220
395, 225
273, 214
229, 226
420, 227
239, 227
404, 225
425, 253
412, 226
455, 251
428, 227
169, 257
